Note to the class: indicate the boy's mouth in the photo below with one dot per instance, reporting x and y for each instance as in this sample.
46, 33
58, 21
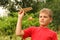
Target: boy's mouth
41, 21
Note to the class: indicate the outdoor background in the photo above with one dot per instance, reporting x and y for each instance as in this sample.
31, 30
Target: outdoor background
8, 16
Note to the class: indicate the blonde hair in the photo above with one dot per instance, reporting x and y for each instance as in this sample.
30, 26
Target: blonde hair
47, 11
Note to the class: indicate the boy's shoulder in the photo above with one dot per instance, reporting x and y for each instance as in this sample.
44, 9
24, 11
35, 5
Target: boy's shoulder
52, 31
31, 28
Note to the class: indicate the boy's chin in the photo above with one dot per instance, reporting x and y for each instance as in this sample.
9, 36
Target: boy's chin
43, 24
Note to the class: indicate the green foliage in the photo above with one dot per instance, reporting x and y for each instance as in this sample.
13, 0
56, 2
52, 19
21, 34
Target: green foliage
7, 25
26, 23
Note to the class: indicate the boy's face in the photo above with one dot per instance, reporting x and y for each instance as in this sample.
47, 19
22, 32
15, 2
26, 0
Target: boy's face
44, 19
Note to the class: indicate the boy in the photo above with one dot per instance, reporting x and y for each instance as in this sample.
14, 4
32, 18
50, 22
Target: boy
37, 33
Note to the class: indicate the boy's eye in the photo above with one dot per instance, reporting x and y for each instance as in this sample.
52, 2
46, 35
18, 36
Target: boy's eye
43, 16
40, 16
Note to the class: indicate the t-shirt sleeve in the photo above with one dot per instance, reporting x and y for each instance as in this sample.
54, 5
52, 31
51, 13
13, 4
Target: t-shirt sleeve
27, 32
54, 36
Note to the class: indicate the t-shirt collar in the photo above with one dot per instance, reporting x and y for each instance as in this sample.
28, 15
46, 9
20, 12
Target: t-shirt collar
43, 27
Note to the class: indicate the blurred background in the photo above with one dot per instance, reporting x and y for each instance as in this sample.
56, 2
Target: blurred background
9, 10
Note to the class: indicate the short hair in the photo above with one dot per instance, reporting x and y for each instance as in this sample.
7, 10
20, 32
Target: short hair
48, 11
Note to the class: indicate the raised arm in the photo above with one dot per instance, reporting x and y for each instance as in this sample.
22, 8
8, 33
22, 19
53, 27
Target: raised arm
19, 31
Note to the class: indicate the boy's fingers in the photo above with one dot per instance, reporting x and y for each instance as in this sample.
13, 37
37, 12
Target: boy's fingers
21, 11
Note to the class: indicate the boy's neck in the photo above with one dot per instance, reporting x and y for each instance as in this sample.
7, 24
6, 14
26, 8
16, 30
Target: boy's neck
43, 25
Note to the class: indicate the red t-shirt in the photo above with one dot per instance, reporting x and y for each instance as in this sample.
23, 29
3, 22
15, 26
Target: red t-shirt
40, 33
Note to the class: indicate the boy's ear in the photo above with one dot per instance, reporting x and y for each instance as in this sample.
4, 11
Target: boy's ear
51, 20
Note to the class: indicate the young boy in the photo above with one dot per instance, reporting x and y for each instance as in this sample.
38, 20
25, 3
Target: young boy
37, 33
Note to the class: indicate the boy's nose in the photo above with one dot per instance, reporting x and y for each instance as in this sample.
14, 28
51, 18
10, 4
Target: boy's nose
42, 19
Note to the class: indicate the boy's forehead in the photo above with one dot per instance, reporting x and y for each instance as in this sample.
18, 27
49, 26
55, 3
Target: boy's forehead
43, 13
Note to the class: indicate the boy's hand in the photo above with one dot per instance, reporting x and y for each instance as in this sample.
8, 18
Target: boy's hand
21, 13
